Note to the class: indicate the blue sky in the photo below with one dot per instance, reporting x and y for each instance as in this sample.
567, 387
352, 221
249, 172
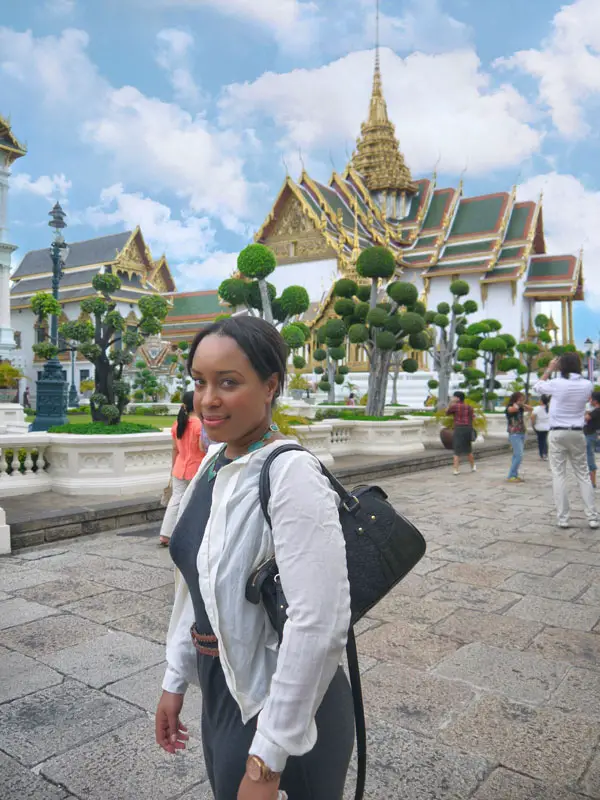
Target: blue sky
182, 115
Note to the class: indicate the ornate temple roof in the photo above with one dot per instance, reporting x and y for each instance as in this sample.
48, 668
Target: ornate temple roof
436, 231
377, 157
9, 143
126, 254
190, 312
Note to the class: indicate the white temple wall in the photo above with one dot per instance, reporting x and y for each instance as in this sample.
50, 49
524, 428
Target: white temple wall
315, 276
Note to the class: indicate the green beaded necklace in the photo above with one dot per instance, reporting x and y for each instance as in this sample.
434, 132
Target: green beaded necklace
212, 467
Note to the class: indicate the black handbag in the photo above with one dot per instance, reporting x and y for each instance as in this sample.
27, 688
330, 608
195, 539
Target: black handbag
381, 548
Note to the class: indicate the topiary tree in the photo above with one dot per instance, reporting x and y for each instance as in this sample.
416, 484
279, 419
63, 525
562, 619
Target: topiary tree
449, 322
489, 345
532, 350
106, 341
252, 291
179, 357
381, 328
331, 339
146, 382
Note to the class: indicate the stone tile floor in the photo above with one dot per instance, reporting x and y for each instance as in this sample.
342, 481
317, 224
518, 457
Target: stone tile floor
481, 671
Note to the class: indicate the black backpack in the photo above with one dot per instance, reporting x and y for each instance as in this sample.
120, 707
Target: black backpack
381, 548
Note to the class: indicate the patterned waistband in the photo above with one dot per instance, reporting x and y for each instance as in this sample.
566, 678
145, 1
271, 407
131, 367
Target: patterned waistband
206, 645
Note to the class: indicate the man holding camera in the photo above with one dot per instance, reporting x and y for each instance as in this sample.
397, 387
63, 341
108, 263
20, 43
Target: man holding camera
570, 393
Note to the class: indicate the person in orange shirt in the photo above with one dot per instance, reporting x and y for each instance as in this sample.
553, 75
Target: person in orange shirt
187, 457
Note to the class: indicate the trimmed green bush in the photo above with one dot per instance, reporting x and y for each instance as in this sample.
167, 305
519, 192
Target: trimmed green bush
101, 429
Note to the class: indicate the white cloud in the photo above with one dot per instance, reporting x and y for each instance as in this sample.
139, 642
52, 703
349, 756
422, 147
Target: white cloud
294, 23
567, 66
206, 274
454, 111
424, 26
160, 145
50, 187
571, 213
173, 56
190, 237
157, 145
60, 8
57, 68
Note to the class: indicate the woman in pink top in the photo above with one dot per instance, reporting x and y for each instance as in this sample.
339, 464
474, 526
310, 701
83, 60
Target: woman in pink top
187, 457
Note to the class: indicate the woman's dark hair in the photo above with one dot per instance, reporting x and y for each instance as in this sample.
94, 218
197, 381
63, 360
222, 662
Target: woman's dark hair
545, 398
460, 396
187, 405
570, 363
351, 396
596, 397
263, 345
514, 397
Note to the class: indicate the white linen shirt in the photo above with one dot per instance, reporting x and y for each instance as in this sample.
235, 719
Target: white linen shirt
284, 686
569, 399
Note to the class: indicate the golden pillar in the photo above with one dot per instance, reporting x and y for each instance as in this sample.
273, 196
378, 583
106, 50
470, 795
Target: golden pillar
571, 332
563, 313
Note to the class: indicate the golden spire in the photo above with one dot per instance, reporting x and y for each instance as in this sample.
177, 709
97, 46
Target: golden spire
377, 156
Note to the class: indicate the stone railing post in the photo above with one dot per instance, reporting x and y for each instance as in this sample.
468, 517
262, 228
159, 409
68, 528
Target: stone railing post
4, 534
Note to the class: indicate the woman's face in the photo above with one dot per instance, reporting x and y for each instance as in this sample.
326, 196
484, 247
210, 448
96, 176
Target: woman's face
230, 398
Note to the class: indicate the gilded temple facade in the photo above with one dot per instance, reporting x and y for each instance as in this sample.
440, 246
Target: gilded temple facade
436, 234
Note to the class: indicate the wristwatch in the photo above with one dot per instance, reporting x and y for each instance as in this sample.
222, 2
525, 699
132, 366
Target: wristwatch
258, 772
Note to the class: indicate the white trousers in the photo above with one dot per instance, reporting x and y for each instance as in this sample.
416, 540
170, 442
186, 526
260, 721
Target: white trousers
569, 446
171, 511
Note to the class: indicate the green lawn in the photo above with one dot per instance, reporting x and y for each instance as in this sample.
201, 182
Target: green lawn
158, 421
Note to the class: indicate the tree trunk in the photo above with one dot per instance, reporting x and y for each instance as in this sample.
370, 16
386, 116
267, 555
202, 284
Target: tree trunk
444, 372
395, 381
493, 366
378, 378
103, 379
331, 378
266, 301
373, 299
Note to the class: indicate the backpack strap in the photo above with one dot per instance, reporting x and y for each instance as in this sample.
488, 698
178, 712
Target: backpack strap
351, 504
348, 500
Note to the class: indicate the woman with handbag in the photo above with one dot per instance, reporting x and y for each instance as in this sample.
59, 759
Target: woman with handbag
187, 456
464, 434
274, 719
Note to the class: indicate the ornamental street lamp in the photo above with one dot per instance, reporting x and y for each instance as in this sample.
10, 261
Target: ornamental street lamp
591, 358
73, 396
51, 402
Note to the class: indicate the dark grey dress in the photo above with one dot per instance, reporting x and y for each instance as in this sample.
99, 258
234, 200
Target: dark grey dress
318, 775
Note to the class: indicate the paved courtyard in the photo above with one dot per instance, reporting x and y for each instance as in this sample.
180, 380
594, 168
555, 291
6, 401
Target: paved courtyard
481, 672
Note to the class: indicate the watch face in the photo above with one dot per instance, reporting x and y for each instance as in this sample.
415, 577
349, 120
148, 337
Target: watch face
254, 770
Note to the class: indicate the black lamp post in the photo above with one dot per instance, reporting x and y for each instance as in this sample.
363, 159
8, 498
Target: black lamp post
591, 357
51, 401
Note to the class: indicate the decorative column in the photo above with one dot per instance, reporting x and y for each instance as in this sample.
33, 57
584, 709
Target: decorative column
570, 313
10, 150
4, 534
563, 319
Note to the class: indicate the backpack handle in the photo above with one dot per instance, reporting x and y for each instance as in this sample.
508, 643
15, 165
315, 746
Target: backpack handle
349, 501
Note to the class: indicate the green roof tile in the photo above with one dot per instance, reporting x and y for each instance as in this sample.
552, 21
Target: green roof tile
559, 267
195, 305
416, 202
478, 215
425, 241
468, 247
436, 210
459, 266
517, 227
508, 253
422, 258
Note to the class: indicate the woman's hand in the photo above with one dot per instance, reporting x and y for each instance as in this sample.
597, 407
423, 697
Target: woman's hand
249, 790
171, 734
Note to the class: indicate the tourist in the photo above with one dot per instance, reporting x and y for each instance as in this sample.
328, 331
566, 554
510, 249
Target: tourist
26, 400
188, 453
515, 421
570, 392
261, 704
351, 401
590, 430
462, 437
540, 422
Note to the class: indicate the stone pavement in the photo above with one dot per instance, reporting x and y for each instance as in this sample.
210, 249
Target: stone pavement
481, 671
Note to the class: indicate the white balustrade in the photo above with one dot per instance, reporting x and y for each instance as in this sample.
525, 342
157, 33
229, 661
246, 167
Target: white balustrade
341, 438
4, 534
23, 468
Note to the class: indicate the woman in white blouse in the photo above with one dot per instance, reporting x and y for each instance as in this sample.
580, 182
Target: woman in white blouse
263, 705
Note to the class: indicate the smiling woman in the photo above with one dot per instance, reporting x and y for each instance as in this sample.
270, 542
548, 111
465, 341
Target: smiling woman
261, 704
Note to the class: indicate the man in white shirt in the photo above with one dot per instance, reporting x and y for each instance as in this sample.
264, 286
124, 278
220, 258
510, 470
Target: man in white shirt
570, 394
